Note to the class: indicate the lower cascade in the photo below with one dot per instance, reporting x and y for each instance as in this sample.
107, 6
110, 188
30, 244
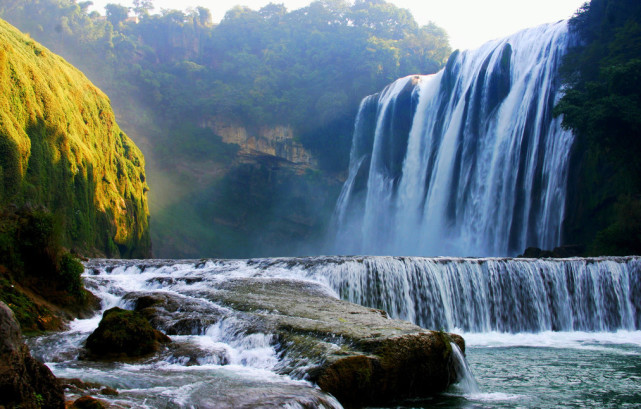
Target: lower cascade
226, 320
493, 294
466, 162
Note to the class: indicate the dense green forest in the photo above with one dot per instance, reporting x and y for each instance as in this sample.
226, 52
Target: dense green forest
602, 106
308, 68
171, 74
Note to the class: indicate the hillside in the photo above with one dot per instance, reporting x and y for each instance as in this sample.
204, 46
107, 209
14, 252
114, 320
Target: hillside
61, 149
602, 107
246, 125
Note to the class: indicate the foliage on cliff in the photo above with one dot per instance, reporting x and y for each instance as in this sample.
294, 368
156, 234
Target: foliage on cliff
172, 74
61, 148
308, 68
39, 280
602, 106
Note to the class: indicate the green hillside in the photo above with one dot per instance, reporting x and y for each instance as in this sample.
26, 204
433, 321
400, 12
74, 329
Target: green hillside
60, 148
246, 124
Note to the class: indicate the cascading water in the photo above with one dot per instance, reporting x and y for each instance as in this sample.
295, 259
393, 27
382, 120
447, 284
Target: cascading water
486, 295
468, 161
466, 382
499, 304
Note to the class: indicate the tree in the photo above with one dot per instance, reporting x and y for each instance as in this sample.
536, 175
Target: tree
204, 17
602, 107
116, 14
142, 7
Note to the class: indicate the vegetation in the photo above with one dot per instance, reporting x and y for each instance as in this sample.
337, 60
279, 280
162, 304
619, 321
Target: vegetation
69, 178
61, 148
172, 74
307, 68
32, 260
602, 106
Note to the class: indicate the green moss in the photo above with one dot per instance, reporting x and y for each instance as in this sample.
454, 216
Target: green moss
124, 332
60, 147
32, 318
447, 343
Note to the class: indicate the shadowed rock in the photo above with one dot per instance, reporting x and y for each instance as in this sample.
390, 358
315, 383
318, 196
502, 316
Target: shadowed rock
124, 334
24, 382
175, 314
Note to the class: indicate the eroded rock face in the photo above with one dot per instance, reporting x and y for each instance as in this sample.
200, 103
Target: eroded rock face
24, 382
355, 353
175, 314
124, 334
277, 141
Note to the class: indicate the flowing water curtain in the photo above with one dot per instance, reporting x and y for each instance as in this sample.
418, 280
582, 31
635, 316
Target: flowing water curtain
469, 161
486, 295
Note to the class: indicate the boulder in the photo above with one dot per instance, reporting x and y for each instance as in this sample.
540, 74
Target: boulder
355, 353
124, 334
175, 314
87, 402
24, 382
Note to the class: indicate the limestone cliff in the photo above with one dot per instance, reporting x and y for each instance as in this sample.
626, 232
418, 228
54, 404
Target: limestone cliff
60, 147
276, 141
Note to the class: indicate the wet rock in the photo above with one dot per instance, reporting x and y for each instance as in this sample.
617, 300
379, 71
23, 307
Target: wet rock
565, 251
87, 402
124, 334
24, 382
75, 385
355, 353
107, 391
78, 384
175, 314
189, 354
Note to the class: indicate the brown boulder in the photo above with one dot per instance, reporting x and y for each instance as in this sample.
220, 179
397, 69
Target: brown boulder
24, 382
124, 334
87, 402
357, 354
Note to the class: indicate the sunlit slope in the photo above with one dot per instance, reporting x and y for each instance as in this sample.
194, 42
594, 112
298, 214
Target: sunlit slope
60, 147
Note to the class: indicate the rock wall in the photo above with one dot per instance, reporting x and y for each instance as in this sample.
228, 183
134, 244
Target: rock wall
61, 148
24, 382
277, 141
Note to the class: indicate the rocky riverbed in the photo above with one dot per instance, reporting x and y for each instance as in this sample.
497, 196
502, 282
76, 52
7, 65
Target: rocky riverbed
241, 339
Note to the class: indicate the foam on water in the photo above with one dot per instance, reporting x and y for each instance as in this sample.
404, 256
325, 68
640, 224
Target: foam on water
550, 339
492, 297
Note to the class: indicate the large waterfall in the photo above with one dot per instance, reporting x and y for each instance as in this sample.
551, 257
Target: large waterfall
466, 162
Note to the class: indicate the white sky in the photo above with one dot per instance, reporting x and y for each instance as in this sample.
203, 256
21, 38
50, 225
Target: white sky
469, 23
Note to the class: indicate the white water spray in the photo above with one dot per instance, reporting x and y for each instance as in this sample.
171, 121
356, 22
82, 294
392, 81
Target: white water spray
469, 161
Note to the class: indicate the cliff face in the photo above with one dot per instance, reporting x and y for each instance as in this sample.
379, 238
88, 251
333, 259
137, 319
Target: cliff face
276, 141
60, 147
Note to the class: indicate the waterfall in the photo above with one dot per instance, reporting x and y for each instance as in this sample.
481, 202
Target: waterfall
456, 294
221, 358
466, 380
484, 295
468, 161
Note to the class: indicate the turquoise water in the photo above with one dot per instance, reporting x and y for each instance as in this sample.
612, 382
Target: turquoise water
538, 369
550, 370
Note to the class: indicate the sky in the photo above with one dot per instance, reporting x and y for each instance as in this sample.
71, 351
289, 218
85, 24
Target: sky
469, 23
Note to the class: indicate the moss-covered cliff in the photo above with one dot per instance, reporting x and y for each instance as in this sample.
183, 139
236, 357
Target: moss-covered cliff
60, 147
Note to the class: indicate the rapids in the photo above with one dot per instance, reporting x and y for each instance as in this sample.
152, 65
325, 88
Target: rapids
517, 314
